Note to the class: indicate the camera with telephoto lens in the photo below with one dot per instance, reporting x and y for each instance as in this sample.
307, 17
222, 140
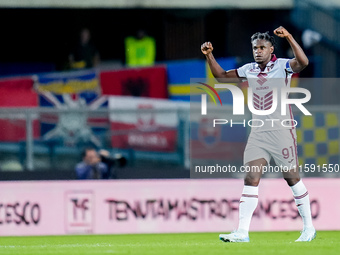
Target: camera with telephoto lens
118, 160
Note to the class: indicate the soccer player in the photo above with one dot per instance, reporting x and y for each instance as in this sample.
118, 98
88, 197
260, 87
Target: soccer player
270, 140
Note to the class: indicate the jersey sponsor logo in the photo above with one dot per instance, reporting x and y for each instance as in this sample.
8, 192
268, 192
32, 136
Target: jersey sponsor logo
262, 88
263, 103
253, 70
262, 78
271, 98
270, 67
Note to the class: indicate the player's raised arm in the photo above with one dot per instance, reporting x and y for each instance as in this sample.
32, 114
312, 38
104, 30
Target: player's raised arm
218, 72
300, 61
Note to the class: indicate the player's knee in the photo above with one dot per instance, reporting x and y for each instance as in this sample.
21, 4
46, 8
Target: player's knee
291, 177
251, 180
291, 181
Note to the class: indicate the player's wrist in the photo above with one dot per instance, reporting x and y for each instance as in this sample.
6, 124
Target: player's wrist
209, 55
289, 36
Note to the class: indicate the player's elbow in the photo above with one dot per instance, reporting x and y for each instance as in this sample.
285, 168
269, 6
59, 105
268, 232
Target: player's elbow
219, 76
302, 65
305, 63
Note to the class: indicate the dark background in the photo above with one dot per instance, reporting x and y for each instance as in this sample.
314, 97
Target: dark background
47, 35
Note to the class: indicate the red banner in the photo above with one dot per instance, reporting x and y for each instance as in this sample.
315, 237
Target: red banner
17, 92
144, 127
139, 82
161, 139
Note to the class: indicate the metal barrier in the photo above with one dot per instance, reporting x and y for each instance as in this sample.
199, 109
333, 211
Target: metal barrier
318, 137
25, 139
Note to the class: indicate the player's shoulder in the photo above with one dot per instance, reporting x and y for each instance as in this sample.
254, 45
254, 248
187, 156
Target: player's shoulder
244, 70
282, 60
248, 66
284, 63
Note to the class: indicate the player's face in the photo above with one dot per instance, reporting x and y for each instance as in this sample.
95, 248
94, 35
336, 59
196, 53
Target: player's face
262, 51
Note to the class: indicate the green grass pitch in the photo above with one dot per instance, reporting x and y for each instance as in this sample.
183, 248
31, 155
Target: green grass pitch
326, 242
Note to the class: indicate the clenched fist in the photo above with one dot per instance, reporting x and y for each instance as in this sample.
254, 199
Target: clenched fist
206, 48
281, 32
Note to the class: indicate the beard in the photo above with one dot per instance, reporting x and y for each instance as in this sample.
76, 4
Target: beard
259, 61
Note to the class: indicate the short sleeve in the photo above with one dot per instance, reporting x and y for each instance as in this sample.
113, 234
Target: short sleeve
242, 71
288, 67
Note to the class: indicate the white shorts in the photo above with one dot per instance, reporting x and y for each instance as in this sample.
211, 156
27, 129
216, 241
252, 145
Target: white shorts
278, 144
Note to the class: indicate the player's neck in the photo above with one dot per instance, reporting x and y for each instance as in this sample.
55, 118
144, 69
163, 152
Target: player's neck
264, 64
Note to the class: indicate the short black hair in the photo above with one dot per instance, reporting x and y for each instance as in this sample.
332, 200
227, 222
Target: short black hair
85, 150
263, 36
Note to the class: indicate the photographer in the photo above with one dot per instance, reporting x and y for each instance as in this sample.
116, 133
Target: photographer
91, 167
